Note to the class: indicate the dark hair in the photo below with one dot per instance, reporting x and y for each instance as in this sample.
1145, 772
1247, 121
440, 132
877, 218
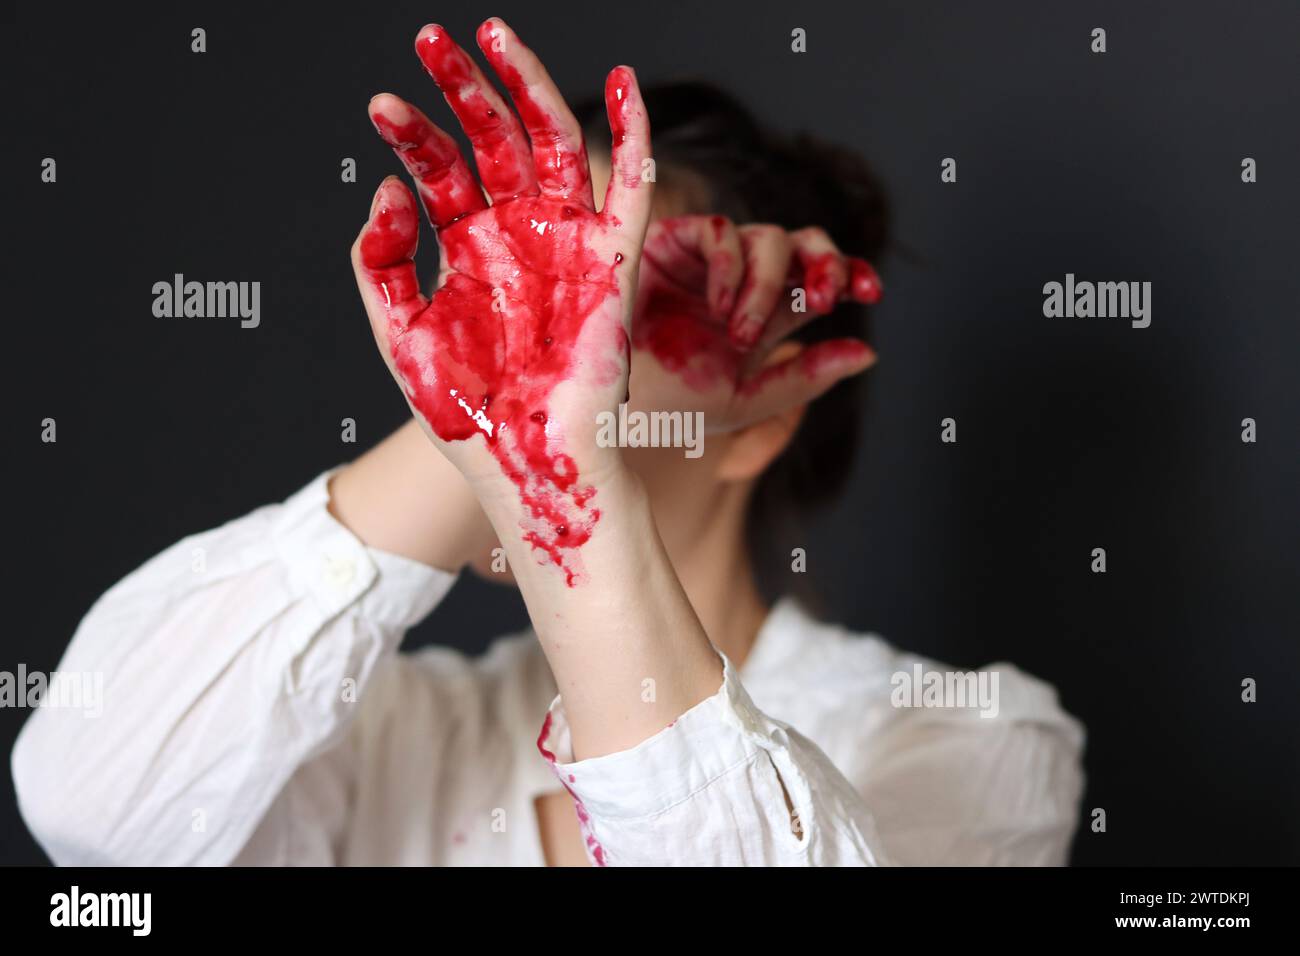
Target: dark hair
754, 174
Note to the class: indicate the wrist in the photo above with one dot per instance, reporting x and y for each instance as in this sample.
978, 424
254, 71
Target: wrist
497, 486
551, 529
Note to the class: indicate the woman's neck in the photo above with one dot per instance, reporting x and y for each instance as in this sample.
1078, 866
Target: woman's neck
713, 564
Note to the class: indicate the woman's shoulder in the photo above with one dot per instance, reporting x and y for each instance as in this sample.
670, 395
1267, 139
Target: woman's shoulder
797, 654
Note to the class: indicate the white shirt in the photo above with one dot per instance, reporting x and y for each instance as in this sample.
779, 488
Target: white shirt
256, 711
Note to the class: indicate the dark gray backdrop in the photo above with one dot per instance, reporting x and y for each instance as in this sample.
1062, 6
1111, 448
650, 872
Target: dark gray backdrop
1074, 434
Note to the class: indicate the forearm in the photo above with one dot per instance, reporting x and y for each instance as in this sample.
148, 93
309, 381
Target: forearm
207, 677
628, 653
405, 498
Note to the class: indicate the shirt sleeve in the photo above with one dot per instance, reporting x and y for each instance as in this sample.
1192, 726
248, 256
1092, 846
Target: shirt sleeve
226, 663
723, 785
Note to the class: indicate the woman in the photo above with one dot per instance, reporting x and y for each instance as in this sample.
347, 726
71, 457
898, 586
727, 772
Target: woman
256, 708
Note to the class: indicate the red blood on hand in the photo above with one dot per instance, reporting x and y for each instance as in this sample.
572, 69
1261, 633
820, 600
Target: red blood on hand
501, 152
499, 336
531, 297
684, 318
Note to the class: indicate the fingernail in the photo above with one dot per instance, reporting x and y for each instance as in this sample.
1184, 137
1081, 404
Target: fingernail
866, 283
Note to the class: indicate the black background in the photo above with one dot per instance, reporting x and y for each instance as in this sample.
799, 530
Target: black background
1073, 433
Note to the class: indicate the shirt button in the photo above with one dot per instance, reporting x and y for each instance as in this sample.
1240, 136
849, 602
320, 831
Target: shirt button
339, 572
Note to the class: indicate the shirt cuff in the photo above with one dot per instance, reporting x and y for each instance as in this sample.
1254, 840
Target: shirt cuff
712, 738
327, 561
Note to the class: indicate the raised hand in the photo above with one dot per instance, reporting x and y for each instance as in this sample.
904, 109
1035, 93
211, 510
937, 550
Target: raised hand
525, 340
714, 303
